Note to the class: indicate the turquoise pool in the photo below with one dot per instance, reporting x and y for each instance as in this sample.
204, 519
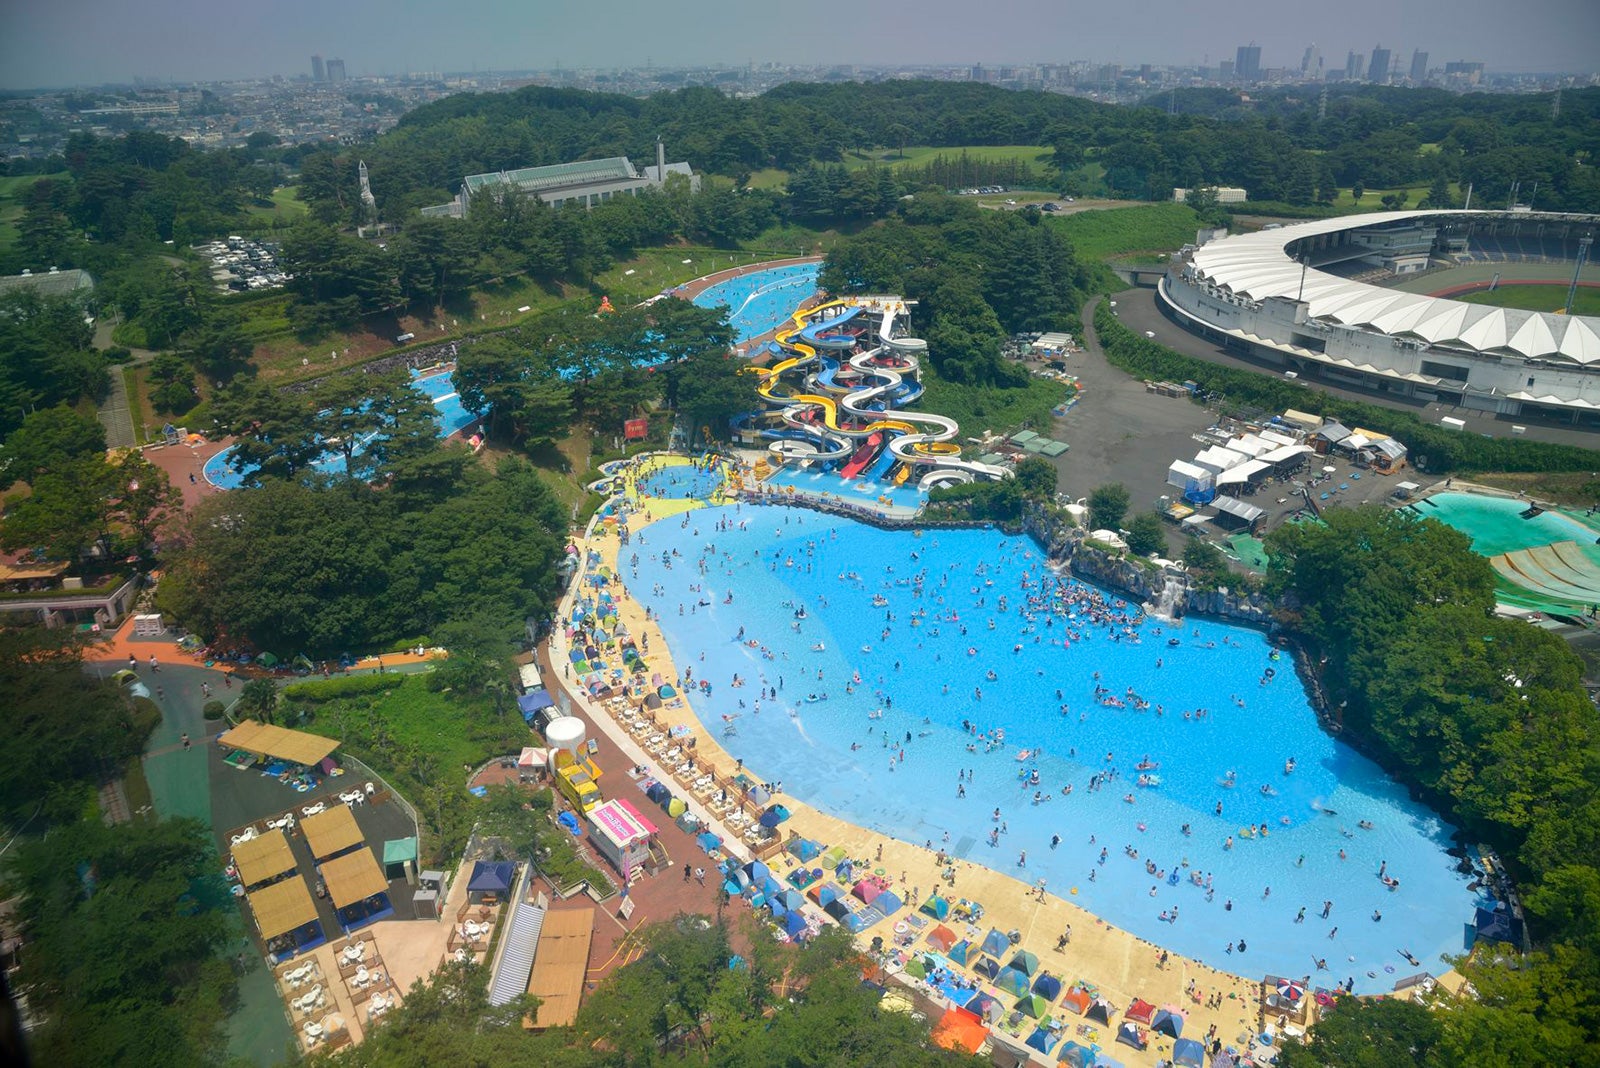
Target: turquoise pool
913, 626
762, 300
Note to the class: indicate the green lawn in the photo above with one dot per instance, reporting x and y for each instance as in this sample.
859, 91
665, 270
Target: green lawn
286, 206
1148, 228
1002, 411
12, 190
1548, 298
917, 155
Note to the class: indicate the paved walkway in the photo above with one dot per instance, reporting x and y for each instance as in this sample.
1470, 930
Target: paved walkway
115, 415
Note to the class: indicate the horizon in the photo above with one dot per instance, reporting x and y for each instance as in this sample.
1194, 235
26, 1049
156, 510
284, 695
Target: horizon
89, 43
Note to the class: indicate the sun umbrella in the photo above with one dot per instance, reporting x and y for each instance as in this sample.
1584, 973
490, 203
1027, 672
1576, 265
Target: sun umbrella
1290, 990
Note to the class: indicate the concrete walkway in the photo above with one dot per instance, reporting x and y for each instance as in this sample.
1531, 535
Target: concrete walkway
115, 414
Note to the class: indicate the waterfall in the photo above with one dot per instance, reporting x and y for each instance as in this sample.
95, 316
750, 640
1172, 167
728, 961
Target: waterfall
1169, 601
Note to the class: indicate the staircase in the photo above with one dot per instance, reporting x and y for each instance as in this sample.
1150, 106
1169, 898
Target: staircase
520, 942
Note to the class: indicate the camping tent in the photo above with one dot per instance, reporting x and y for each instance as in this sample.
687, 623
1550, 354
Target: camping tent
960, 951
936, 906
1042, 1039
986, 967
794, 923
986, 1006
1168, 1023
996, 944
1189, 1053
866, 890
960, 1029
837, 908
1033, 1005
804, 849
1129, 1035
1100, 1011
1025, 962
791, 899
1047, 986
941, 938
1011, 981
1076, 1056
1077, 1000
1141, 1010
888, 903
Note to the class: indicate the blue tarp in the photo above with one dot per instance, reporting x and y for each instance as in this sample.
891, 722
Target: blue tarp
492, 877
534, 701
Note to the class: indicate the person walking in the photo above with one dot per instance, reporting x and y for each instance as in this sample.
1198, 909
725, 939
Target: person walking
688, 870
186, 742
700, 876
153, 665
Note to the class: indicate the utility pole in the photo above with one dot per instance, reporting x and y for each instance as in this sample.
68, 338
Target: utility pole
1583, 254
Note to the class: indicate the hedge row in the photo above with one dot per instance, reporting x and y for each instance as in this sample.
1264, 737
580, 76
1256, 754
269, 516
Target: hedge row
1445, 451
344, 686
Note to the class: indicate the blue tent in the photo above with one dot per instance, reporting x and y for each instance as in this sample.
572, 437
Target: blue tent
827, 894
757, 871
804, 849
709, 841
1189, 1053
794, 923
658, 793
792, 899
846, 870
1168, 1023
888, 903
961, 951
986, 967
777, 907
773, 816
986, 1007
534, 702
492, 877
996, 944
1076, 1056
1047, 986
1042, 1039
936, 906
1128, 1034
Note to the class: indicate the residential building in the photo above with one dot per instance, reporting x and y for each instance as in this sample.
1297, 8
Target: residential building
1247, 63
318, 72
1419, 67
1378, 66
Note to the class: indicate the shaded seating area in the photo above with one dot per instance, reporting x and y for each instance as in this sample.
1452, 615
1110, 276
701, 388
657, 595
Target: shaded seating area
357, 888
490, 881
261, 860
294, 758
331, 832
286, 919
560, 966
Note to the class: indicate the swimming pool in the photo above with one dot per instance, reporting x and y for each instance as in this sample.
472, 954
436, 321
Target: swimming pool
683, 480
864, 490
762, 300
452, 417
1495, 525
879, 604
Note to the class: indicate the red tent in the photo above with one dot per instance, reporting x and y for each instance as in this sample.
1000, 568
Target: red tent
941, 938
1076, 1000
960, 1029
1141, 1010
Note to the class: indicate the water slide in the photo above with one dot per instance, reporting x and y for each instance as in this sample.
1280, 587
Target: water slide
912, 444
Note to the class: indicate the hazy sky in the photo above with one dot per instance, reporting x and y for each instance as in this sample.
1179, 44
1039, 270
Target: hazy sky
67, 42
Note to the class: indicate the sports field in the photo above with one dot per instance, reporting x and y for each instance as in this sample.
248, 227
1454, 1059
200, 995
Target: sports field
1547, 298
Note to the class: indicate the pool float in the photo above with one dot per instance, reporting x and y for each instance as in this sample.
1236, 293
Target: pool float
1141, 826
1247, 832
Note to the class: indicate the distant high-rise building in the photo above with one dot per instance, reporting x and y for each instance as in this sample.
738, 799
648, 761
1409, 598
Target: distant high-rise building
1419, 67
1378, 65
1225, 71
1311, 62
1355, 65
336, 70
318, 72
1461, 70
1247, 63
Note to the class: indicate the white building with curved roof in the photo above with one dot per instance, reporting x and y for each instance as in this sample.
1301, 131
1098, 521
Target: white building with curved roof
1287, 295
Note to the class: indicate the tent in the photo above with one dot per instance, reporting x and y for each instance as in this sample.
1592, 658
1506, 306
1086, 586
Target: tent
1076, 1056
837, 908
960, 1029
826, 895
1012, 981
1100, 1011
777, 907
960, 951
986, 967
935, 906
1141, 1010
1025, 962
1129, 1035
658, 793
941, 938
996, 944
1033, 1005
492, 877
1047, 986
757, 871
986, 1006
804, 849
708, 841
1076, 1000
1168, 1023
1189, 1053
534, 701
1493, 926
888, 903
791, 899
1043, 1039
794, 923
866, 890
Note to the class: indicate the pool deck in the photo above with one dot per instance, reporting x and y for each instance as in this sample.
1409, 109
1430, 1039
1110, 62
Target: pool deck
1121, 964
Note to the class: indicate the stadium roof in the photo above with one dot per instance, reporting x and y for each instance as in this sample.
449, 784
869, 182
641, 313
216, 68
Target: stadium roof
557, 176
1257, 266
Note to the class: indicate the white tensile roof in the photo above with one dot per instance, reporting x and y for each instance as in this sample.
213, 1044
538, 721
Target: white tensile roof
1257, 266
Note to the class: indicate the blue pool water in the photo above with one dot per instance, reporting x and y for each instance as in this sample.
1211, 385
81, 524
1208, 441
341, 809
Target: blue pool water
453, 417
759, 301
683, 480
863, 490
926, 674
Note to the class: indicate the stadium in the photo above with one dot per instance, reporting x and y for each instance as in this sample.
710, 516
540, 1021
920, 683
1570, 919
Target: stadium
1369, 301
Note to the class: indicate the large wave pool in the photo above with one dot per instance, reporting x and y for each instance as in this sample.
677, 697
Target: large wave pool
1495, 525
762, 300
452, 417
922, 620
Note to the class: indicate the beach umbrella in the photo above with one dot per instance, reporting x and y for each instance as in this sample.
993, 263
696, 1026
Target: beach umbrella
1290, 990
1128, 1034
1168, 1023
1025, 962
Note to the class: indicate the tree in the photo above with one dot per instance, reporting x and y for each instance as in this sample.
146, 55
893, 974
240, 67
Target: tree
124, 926
1107, 505
172, 384
1359, 1033
1036, 478
67, 513
259, 700
1147, 534
708, 391
147, 499
1438, 194
48, 439
218, 349
1357, 191
276, 431
373, 421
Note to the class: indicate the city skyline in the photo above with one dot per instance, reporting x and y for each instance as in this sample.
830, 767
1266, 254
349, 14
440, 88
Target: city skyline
90, 42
